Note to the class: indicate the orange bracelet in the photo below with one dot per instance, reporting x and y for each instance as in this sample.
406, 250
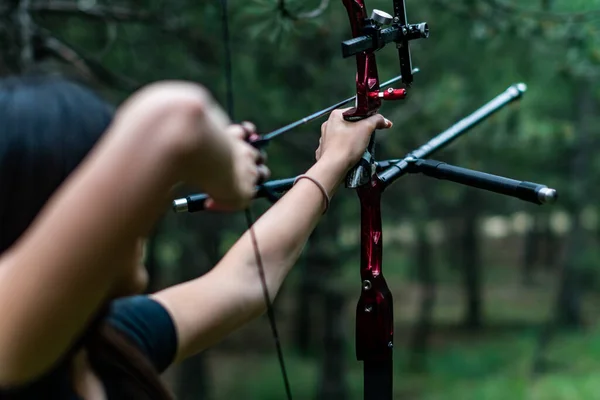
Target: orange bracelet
321, 187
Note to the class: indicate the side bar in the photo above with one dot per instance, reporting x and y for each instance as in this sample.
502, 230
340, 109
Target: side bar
527, 191
195, 202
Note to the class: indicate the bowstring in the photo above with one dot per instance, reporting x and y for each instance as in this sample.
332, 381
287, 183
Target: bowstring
248, 212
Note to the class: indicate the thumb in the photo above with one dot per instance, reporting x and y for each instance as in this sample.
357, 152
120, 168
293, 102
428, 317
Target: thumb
377, 121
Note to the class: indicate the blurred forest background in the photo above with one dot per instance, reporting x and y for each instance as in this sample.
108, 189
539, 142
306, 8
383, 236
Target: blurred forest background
494, 298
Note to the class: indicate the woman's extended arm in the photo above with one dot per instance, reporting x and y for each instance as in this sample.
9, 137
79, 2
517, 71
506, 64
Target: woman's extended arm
82, 246
210, 307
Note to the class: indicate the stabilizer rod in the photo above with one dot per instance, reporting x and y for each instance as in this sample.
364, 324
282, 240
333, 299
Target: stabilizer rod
526, 191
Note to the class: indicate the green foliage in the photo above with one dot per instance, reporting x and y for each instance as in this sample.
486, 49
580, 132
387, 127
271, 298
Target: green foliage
500, 370
262, 379
496, 366
587, 264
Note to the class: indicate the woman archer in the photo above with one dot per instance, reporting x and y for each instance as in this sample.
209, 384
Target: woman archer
82, 184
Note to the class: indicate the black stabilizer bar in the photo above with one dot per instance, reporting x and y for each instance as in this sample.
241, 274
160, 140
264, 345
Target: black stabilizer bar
527, 191
395, 171
195, 202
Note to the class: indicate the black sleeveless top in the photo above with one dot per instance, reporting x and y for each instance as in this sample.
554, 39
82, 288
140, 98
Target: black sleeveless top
143, 321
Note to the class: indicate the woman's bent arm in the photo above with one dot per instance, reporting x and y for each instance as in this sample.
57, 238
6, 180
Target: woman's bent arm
77, 251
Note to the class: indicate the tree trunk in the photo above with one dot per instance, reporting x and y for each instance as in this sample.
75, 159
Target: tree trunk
332, 385
531, 251
472, 261
193, 381
423, 327
453, 242
568, 308
551, 245
568, 303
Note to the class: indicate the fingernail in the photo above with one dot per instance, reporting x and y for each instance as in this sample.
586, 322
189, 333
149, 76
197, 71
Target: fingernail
388, 122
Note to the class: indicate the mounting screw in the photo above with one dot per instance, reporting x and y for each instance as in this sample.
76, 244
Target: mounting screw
368, 308
367, 284
390, 345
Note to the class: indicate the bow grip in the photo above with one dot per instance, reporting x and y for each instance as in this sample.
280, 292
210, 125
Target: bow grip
362, 172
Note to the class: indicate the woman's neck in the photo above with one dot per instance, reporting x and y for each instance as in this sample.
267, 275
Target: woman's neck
85, 381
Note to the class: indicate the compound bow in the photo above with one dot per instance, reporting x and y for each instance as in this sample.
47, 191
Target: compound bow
374, 313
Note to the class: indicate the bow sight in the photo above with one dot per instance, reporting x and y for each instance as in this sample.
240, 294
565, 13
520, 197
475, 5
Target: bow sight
374, 38
368, 36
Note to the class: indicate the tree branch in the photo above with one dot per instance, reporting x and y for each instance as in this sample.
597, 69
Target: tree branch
317, 12
88, 67
26, 28
114, 13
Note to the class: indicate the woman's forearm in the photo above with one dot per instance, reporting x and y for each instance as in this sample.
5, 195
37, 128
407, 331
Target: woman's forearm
231, 294
282, 232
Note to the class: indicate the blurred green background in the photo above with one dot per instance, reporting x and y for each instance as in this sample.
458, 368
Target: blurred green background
494, 298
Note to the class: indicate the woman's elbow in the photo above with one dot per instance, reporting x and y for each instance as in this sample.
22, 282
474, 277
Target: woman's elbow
167, 113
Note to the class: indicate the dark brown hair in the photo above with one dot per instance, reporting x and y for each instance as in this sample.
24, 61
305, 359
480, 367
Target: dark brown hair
119, 362
48, 125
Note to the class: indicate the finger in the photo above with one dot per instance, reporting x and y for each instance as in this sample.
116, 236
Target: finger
339, 112
262, 158
250, 133
377, 121
323, 131
263, 174
257, 156
238, 132
249, 126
